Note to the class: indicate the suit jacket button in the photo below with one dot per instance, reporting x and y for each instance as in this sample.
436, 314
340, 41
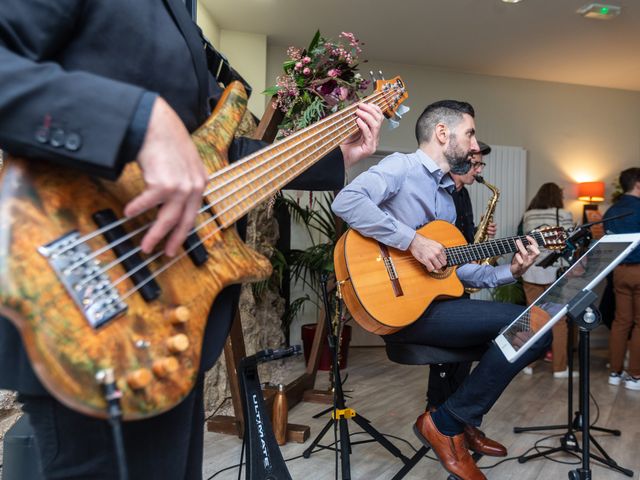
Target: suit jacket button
73, 142
57, 137
42, 135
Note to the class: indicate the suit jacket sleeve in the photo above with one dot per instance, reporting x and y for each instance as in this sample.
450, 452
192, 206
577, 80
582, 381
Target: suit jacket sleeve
71, 117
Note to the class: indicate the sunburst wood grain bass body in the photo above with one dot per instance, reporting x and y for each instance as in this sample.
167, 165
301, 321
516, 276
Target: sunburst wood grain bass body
87, 302
386, 289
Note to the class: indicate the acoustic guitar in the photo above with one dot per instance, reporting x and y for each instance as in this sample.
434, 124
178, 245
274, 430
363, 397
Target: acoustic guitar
386, 289
90, 306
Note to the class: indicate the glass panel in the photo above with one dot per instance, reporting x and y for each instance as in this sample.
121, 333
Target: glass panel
551, 306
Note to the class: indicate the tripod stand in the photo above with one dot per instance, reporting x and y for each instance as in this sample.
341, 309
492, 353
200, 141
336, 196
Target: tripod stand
340, 413
586, 316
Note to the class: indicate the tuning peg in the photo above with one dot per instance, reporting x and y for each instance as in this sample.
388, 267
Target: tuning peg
402, 110
381, 74
393, 124
373, 75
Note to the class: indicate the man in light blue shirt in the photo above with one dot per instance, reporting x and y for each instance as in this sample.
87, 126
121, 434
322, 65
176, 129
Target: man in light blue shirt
389, 202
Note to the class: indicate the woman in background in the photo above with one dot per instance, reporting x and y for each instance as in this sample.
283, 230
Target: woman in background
546, 210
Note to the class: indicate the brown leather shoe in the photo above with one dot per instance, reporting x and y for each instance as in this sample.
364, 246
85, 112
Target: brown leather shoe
480, 443
451, 451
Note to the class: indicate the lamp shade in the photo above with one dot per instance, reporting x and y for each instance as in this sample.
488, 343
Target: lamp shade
591, 191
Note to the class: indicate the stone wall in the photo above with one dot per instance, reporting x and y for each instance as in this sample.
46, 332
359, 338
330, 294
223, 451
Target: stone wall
9, 414
260, 315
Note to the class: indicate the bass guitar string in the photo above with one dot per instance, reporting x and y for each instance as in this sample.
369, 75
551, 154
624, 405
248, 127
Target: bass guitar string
346, 134
205, 207
236, 165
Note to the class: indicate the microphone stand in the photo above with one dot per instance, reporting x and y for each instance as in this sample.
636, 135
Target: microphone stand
579, 235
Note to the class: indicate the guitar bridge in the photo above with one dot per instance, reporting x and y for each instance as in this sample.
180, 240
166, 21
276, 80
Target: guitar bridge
93, 294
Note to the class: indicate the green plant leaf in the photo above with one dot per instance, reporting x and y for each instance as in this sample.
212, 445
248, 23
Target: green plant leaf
295, 308
510, 293
314, 41
271, 91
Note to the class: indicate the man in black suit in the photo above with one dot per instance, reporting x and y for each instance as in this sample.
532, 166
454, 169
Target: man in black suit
92, 86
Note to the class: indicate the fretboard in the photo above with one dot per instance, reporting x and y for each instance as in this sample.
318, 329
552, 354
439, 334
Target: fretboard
261, 175
492, 248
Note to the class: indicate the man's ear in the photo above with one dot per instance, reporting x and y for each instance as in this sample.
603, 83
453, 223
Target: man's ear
441, 133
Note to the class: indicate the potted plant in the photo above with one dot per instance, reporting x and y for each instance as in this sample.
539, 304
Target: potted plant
316, 82
310, 264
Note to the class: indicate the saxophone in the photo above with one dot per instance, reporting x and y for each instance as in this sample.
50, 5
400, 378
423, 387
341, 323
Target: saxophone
481, 231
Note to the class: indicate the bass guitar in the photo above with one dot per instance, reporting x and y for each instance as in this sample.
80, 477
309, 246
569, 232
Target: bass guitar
386, 289
91, 307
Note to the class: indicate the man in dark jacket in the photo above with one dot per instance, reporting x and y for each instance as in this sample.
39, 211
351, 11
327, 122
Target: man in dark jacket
625, 329
92, 86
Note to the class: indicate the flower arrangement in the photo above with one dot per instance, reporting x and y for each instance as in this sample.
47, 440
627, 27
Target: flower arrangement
318, 81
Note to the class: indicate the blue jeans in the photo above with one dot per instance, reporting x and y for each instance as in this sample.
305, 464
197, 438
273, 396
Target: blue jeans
463, 323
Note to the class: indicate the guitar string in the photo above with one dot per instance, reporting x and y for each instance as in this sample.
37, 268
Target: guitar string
336, 125
200, 226
195, 229
154, 274
177, 258
327, 122
461, 251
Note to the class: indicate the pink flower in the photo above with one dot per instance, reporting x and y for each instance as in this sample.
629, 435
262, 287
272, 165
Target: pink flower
294, 53
334, 72
343, 93
306, 60
306, 71
298, 65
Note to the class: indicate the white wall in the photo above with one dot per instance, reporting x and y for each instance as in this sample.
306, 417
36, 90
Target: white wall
572, 133
247, 53
208, 24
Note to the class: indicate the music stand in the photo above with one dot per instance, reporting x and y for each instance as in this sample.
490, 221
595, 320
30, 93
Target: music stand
577, 243
572, 295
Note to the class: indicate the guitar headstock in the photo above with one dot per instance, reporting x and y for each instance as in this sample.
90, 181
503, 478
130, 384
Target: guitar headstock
395, 93
554, 238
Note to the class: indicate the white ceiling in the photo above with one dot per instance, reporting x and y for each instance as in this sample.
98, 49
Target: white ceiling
534, 39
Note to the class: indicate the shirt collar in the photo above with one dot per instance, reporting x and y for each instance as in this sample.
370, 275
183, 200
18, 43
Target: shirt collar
443, 179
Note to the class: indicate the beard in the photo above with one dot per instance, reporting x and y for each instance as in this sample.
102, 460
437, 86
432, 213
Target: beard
459, 160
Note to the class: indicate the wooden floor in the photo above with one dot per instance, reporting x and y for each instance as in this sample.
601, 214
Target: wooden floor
391, 396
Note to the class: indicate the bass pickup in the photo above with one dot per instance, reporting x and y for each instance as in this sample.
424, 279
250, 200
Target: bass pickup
149, 289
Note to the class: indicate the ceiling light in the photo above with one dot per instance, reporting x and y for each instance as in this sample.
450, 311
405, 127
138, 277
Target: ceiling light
599, 11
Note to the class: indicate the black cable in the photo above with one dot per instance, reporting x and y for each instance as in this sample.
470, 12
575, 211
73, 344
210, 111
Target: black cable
242, 463
217, 408
325, 447
595, 404
537, 447
244, 441
112, 396
116, 429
